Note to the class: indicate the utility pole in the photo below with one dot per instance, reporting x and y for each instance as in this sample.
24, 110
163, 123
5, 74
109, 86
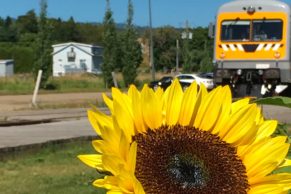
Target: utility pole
151, 43
177, 56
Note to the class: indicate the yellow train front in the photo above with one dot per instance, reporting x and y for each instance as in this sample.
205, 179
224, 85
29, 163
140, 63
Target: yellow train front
252, 47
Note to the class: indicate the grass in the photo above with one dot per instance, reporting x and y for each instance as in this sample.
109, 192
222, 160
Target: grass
53, 169
24, 83
17, 84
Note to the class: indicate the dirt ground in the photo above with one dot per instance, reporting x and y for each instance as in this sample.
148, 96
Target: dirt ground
24, 102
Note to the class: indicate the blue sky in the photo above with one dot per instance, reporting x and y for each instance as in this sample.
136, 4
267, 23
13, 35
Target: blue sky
164, 12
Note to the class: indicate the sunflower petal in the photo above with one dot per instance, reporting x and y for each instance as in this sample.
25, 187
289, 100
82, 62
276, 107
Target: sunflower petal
137, 109
173, 103
108, 102
92, 160
188, 105
98, 119
124, 120
152, 108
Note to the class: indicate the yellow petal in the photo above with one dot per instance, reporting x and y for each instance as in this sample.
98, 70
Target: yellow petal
92, 160
287, 162
108, 102
239, 104
109, 182
206, 117
122, 99
98, 119
173, 103
240, 124
266, 129
268, 151
113, 164
223, 117
124, 120
200, 96
131, 162
152, 108
188, 105
137, 109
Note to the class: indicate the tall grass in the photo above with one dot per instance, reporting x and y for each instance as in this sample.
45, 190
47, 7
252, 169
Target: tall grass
76, 83
24, 83
17, 84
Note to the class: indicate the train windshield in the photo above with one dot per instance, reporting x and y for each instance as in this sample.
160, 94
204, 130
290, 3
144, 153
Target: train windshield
270, 30
235, 30
252, 30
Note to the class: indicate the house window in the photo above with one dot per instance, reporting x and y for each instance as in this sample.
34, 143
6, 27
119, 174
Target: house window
71, 55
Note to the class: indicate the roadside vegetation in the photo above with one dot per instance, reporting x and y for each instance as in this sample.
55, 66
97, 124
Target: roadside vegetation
54, 169
24, 83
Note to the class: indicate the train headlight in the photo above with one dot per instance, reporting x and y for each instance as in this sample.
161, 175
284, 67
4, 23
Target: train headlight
260, 72
277, 55
251, 10
239, 72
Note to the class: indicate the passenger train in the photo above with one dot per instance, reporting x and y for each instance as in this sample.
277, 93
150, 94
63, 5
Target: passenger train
252, 51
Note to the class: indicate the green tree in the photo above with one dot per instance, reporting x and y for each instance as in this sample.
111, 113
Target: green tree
110, 52
131, 50
8, 32
70, 31
43, 46
165, 47
27, 23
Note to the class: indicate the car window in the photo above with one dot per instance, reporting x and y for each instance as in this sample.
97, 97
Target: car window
206, 75
185, 77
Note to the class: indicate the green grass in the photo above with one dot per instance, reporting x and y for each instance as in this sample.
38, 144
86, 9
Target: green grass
24, 83
18, 84
76, 83
53, 169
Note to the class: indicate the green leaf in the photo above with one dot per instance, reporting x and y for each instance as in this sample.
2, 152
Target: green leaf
277, 100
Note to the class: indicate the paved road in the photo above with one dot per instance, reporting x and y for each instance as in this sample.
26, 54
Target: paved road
21, 136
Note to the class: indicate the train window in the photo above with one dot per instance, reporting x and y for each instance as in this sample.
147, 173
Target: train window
235, 30
267, 30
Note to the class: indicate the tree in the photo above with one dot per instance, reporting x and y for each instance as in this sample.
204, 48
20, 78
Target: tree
43, 46
70, 31
8, 31
165, 47
27, 23
131, 50
110, 52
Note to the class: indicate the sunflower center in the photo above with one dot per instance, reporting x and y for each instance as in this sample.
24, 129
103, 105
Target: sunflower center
188, 170
186, 160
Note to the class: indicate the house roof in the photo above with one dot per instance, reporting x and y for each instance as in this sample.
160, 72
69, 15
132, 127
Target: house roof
4, 61
76, 45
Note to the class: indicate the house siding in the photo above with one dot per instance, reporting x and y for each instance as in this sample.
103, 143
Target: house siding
84, 59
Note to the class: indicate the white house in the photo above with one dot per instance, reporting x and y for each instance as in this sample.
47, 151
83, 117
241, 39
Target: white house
75, 57
6, 67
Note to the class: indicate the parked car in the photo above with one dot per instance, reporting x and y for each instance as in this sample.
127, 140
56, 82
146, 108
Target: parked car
201, 78
164, 82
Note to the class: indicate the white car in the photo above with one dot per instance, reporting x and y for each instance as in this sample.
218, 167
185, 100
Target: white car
202, 78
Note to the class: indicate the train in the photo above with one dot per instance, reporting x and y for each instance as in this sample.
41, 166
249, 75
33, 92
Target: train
252, 51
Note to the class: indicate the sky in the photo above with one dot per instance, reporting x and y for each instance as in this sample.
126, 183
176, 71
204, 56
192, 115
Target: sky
164, 12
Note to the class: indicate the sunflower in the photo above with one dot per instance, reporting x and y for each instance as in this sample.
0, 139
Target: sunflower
196, 141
